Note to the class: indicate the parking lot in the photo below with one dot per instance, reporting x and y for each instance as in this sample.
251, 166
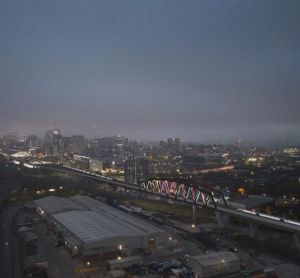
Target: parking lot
58, 260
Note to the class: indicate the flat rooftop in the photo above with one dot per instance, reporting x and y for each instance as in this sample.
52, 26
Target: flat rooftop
118, 217
91, 226
215, 258
95, 224
54, 204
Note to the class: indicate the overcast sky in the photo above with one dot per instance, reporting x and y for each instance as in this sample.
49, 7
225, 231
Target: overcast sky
150, 69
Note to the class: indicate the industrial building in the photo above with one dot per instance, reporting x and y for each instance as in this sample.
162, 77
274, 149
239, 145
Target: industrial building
214, 264
52, 204
90, 228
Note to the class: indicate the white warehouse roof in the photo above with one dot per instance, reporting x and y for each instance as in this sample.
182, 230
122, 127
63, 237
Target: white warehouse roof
96, 225
54, 204
118, 217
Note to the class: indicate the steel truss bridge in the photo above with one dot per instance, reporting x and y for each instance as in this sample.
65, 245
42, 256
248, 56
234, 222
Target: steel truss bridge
197, 196
192, 194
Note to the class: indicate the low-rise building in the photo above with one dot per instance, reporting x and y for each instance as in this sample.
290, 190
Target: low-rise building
91, 228
120, 262
96, 165
214, 264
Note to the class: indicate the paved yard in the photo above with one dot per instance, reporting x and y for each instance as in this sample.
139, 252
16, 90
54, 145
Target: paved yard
61, 265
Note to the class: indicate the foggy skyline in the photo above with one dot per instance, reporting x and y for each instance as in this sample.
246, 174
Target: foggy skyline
198, 70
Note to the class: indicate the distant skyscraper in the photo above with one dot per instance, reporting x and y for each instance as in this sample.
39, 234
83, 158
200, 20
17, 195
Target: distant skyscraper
32, 141
113, 148
77, 144
173, 145
58, 146
10, 139
48, 141
53, 144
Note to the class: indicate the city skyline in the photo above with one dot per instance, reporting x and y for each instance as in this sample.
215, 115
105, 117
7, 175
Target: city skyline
201, 71
275, 142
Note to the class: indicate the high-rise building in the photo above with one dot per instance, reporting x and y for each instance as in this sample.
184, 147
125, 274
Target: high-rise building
136, 170
77, 144
10, 140
48, 141
173, 142
192, 162
32, 141
53, 144
112, 149
58, 146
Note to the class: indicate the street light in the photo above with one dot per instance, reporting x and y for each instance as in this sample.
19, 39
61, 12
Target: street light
193, 226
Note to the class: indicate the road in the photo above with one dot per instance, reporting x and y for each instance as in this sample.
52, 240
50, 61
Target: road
9, 246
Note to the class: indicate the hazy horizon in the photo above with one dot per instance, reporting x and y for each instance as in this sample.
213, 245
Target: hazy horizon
203, 71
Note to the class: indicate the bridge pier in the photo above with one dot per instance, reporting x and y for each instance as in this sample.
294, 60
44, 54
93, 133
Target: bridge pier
253, 226
222, 219
297, 241
194, 212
